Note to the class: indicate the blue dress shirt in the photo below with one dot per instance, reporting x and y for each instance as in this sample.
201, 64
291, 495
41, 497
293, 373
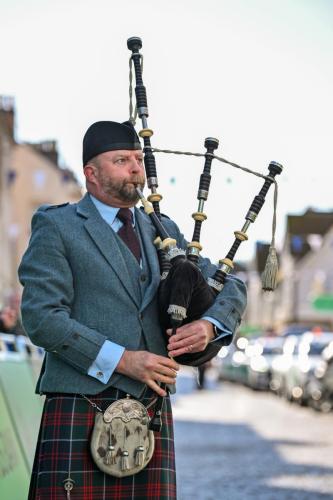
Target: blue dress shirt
109, 355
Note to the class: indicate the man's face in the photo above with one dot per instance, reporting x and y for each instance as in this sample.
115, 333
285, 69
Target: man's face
116, 175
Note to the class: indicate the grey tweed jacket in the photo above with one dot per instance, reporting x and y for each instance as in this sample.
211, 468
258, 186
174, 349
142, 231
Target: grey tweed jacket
80, 288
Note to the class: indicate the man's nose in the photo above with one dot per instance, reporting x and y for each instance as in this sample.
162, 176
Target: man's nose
136, 165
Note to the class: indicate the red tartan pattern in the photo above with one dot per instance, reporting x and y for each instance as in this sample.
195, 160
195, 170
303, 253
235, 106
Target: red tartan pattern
63, 445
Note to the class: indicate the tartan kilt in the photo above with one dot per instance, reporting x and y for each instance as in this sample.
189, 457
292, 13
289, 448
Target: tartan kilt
63, 446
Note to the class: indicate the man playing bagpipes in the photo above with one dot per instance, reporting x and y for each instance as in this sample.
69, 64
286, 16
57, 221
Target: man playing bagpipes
91, 277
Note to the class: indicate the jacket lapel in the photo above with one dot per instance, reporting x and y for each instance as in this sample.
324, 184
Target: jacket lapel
105, 239
148, 234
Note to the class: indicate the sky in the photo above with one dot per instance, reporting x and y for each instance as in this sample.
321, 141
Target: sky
256, 74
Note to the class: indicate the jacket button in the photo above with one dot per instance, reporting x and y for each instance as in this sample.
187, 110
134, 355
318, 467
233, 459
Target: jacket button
222, 302
143, 277
140, 316
75, 336
65, 346
233, 310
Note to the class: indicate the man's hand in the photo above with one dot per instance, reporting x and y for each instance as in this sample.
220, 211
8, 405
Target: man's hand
148, 368
193, 337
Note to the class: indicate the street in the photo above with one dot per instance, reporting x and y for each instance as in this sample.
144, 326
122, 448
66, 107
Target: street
233, 443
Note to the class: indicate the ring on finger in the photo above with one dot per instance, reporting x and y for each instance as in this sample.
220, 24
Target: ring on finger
189, 348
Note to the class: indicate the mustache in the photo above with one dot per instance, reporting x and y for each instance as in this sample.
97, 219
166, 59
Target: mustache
138, 180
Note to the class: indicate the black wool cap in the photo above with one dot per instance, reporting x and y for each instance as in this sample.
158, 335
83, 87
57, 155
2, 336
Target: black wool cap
108, 136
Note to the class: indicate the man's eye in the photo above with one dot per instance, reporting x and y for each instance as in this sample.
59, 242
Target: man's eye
120, 161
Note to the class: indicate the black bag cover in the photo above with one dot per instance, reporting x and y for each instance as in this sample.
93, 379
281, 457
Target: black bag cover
185, 286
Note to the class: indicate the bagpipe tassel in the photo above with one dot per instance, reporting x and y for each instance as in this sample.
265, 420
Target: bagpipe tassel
110, 457
269, 276
139, 455
124, 460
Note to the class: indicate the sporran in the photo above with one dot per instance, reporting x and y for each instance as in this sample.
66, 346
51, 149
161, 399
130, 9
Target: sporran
121, 442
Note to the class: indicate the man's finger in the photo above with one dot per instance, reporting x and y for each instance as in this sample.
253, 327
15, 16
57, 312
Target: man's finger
186, 350
165, 380
182, 329
153, 385
167, 372
177, 344
168, 363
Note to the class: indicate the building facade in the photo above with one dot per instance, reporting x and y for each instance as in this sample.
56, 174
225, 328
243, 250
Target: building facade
30, 177
304, 294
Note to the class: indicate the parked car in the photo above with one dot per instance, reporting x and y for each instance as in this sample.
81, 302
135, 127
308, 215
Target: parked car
297, 329
262, 353
318, 390
282, 363
234, 362
307, 356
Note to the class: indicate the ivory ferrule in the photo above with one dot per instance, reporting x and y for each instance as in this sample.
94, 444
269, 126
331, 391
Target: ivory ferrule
146, 132
240, 235
199, 216
227, 262
158, 242
147, 206
169, 243
154, 197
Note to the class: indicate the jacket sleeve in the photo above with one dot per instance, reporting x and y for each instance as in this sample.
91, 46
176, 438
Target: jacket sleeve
46, 276
230, 303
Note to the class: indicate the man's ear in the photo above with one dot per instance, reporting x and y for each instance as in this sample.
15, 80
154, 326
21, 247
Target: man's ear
89, 171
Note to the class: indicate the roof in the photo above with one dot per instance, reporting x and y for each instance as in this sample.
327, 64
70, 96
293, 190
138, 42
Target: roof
299, 227
311, 222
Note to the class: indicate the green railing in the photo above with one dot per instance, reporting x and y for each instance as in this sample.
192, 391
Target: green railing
20, 412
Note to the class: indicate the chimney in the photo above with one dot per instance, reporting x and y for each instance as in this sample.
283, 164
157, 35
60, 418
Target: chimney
7, 115
48, 149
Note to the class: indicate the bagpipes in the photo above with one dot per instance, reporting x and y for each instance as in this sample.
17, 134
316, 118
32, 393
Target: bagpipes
184, 294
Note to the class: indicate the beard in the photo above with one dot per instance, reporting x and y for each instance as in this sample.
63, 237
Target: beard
123, 190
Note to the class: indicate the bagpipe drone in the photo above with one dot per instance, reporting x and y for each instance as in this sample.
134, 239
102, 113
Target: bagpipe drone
184, 294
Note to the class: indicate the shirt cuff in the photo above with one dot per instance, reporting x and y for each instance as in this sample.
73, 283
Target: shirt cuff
222, 331
106, 362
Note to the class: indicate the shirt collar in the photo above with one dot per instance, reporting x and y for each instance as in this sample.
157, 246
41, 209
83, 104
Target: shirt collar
106, 211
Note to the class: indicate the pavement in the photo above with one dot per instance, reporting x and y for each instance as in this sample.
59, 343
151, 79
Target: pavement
233, 443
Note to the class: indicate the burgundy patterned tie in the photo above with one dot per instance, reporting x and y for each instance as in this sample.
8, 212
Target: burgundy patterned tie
127, 233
